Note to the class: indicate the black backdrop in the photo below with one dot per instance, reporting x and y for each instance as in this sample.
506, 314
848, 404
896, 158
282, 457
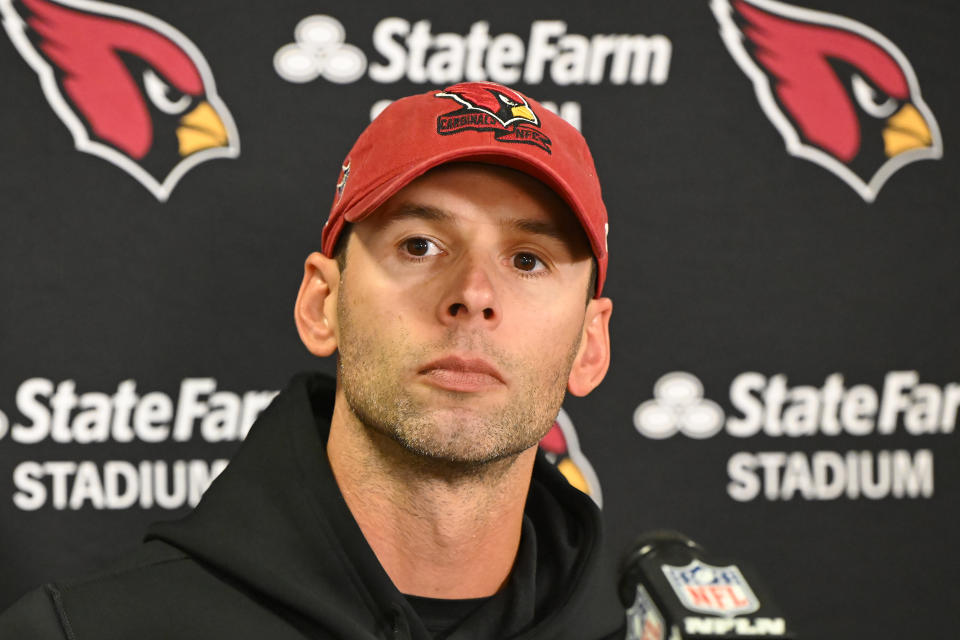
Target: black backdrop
835, 472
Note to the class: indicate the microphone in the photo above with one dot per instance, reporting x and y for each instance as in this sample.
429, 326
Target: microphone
673, 590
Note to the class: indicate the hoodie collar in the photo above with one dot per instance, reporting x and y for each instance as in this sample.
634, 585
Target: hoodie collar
275, 524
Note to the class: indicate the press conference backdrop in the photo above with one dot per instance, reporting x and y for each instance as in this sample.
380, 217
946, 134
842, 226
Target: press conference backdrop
782, 190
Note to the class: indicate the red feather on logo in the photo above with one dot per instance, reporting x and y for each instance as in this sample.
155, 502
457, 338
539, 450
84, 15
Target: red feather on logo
503, 103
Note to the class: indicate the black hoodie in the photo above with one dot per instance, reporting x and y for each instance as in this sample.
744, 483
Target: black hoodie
272, 552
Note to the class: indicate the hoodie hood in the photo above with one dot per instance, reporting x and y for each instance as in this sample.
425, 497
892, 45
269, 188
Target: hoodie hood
275, 525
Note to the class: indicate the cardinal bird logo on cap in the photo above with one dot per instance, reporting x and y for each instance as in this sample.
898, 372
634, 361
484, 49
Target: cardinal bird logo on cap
492, 107
840, 93
562, 449
130, 88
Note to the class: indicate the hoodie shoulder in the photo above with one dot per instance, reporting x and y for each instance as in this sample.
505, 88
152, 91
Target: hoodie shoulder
33, 617
157, 593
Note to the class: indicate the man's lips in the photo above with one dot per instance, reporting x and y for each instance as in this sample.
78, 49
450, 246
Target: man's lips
462, 374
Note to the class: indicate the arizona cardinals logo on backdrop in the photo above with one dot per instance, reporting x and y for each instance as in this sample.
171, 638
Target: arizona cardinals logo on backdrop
130, 87
562, 449
840, 93
491, 107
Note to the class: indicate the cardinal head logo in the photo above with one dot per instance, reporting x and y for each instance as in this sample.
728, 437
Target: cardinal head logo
562, 449
487, 106
129, 87
840, 93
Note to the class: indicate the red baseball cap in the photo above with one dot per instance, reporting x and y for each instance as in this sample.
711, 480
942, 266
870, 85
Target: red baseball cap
476, 122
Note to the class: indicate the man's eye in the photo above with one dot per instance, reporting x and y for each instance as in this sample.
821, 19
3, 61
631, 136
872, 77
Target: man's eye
420, 247
528, 262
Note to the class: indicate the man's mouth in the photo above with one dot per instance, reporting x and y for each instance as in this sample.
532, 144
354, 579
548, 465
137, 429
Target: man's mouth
455, 373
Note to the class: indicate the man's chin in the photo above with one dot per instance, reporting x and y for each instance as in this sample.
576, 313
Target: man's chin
444, 457
465, 437
450, 429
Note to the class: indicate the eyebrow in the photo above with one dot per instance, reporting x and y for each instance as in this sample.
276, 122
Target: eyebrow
420, 212
434, 214
538, 227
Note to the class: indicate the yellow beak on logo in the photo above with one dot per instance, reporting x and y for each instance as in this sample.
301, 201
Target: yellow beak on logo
905, 130
573, 475
201, 129
520, 111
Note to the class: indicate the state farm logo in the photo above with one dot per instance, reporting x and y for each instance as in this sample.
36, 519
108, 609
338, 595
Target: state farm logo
48, 411
841, 94
320, 50
412, 52
769, 406
679, 406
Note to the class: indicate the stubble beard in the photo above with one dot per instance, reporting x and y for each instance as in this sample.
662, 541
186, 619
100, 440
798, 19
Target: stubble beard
457, 439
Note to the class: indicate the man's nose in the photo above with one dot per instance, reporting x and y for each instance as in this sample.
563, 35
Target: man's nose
471, 295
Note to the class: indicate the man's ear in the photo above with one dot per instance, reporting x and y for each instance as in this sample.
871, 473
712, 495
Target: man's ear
593, 357
316, 309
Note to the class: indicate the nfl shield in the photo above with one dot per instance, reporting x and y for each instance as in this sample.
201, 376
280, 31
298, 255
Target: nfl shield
644, 621
719, 591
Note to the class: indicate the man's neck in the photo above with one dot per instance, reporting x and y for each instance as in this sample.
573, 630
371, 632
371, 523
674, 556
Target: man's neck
439, 530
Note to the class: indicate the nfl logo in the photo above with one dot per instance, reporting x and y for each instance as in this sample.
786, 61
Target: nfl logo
644, 621
719, 591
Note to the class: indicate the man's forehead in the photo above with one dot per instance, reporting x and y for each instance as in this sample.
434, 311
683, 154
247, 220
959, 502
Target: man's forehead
411, 210
428, 198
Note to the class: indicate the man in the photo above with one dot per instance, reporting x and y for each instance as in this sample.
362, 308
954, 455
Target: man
459, 284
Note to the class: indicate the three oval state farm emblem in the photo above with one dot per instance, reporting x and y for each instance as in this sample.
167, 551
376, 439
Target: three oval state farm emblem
562, 449
487, 106
840, 93
130, 88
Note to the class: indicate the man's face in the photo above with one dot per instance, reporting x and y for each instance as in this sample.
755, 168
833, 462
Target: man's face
460, 311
